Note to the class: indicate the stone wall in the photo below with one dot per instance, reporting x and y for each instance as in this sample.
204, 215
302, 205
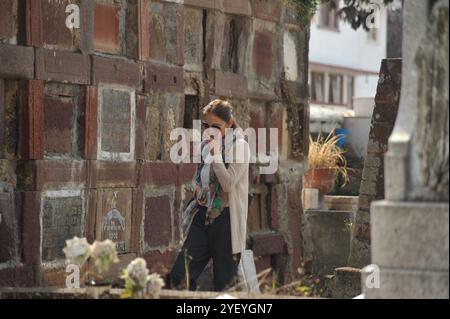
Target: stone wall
86, 116
372, 184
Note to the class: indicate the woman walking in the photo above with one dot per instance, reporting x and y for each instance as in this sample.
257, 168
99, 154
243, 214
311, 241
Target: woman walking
215, 221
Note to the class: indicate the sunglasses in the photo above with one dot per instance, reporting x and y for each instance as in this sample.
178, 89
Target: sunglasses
207, 126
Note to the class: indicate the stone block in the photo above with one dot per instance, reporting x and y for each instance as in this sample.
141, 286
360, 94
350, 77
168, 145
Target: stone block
406, 284
267, 244
16, 62
158, 218
8, 228
327, 235
141, 115
167, 28
2, 119
51, 174
237, 7
106, 28
55, 34
8, 19
207, 4
159, 174
114, 70
62, 66
163, 78
419, 231
106, 174
231, 85
193, 39
267, 9
263, 53
91, 123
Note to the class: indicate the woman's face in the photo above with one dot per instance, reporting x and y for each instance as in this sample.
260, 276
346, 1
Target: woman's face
210, 120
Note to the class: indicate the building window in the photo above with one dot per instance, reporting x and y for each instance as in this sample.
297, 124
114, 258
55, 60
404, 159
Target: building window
329, 15
350, 91
336, 89
317, 87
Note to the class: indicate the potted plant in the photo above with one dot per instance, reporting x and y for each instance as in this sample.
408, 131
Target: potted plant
326, 160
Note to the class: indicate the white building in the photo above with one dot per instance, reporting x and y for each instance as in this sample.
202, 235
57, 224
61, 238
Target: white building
344, 67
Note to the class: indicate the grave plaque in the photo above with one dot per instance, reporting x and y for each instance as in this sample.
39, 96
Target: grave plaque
114, 218
62, 217
116, 121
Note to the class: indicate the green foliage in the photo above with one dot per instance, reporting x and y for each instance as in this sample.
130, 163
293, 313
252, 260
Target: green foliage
355, 12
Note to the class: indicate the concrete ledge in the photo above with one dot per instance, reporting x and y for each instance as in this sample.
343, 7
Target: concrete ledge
83, 293
408, 284
410, 235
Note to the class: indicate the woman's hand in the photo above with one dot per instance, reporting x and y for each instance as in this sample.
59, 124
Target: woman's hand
197, 191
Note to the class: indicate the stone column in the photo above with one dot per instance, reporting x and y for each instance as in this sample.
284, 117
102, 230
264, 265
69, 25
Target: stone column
410, 228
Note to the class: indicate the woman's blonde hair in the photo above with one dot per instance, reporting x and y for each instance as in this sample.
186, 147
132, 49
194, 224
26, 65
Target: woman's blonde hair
223, 110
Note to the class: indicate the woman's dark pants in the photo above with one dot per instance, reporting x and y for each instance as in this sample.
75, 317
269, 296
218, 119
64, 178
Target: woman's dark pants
203, 243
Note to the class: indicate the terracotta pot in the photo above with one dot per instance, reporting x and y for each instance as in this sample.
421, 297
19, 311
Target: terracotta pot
321, 178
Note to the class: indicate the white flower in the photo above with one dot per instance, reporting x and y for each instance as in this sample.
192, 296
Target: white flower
104, 253
154, 285
77, 251
138, 273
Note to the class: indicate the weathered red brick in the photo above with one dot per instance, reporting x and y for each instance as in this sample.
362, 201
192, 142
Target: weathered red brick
29, 204
143, 30
267, 244
60, 121
267, 9
231, 85
34, 23
159, 174
113, 70
31, 124
91, 125
87, 31
62, 66
102, 174
263, 53
158, 221
186, 172
163, 78
16, 62
106, 28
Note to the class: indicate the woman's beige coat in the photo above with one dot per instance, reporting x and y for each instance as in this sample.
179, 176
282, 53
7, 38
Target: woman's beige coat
234, 181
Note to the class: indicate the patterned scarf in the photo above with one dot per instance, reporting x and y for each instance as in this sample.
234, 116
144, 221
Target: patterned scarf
211, 194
